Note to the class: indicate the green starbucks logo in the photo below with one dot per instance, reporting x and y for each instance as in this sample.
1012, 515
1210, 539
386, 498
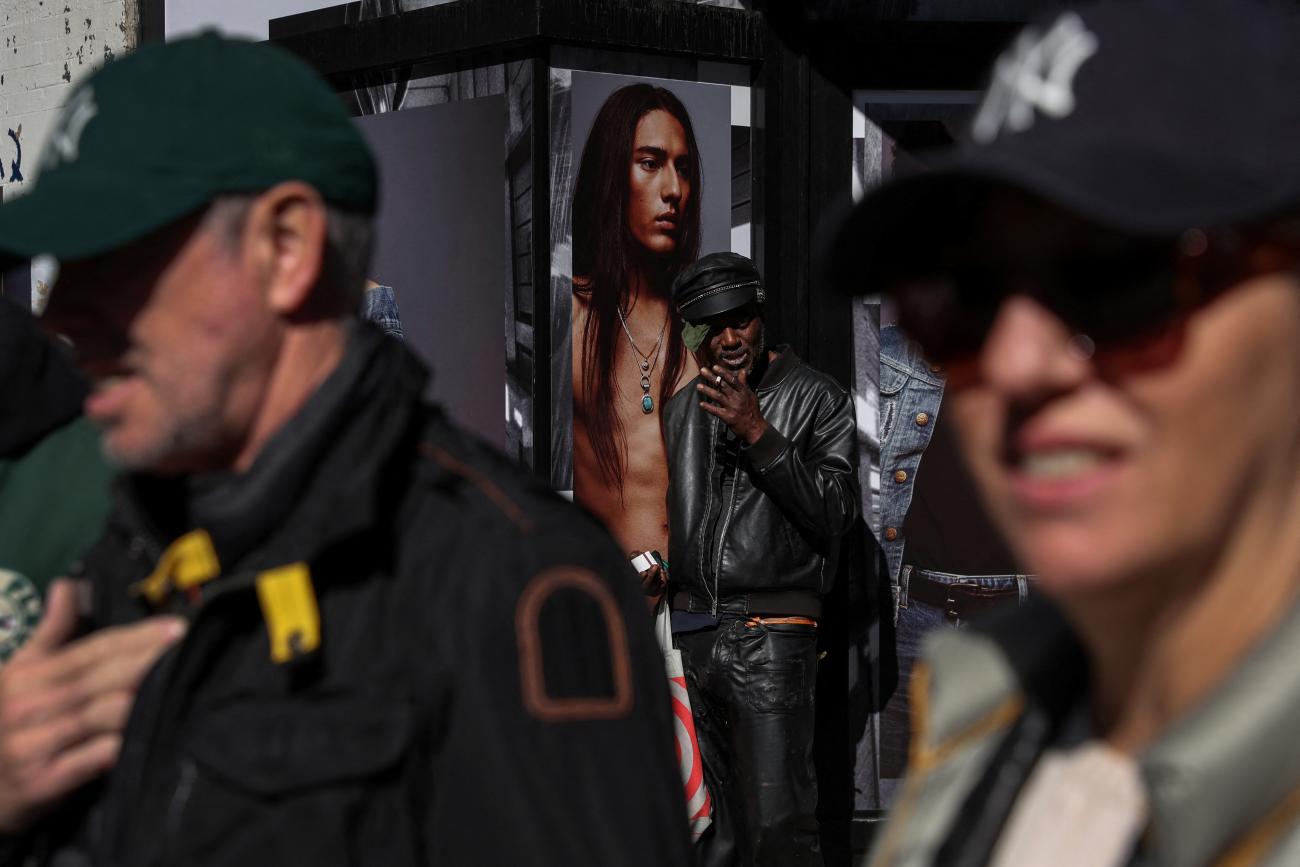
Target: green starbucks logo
20, 610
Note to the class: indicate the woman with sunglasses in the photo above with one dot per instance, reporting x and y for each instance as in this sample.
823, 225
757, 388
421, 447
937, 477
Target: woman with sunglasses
1108, 269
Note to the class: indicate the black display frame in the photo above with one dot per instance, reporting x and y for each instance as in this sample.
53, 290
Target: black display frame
805, 61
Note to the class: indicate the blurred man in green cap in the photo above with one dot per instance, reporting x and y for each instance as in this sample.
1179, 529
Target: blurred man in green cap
323, 625
54, 483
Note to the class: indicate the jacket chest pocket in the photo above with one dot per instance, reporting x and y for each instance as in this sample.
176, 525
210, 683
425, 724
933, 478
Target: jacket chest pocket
891, 387
297, 783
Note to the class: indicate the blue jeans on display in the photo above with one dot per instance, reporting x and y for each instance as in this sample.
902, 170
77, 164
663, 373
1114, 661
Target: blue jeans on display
913, 620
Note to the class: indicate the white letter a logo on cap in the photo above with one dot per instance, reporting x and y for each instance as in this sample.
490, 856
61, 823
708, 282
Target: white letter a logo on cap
65, 143
1036, 74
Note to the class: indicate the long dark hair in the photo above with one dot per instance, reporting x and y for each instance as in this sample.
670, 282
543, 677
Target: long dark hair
605, 252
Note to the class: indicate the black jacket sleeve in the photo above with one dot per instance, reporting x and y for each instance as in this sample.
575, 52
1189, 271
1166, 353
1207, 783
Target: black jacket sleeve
557, 746
816, 485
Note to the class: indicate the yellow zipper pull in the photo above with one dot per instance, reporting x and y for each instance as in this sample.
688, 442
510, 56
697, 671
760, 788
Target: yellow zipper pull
289, 607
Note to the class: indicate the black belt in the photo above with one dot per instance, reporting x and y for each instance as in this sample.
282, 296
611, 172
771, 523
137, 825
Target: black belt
780, 603
958, 601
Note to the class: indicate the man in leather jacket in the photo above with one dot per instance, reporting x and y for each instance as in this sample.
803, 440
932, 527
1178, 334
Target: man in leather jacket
323, 625
762, 483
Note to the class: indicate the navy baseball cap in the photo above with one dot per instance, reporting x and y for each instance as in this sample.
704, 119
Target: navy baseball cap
157, 134
1148, 117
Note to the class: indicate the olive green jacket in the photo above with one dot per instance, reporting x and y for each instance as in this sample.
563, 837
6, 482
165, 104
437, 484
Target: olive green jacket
54, 498
1223, 783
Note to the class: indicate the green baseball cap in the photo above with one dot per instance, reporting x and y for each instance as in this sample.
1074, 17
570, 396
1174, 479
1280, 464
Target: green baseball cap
157, 134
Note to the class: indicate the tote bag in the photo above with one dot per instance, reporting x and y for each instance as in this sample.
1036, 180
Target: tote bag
699, 806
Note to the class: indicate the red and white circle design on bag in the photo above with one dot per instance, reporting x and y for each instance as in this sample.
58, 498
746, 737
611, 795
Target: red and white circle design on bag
699, 806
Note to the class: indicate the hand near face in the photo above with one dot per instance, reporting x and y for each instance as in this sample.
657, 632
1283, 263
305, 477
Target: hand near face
732, 401
64, 704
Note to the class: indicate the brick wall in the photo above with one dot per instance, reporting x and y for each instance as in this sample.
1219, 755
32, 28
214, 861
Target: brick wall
47, 46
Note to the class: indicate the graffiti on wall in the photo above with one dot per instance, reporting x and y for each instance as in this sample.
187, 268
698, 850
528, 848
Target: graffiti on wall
16, 164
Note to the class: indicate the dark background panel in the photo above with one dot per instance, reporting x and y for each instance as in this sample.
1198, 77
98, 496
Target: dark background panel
15, 278
16, 285
441, 244
804, 59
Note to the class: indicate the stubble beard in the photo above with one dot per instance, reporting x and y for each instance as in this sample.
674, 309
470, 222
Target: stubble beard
758, 356
187, 439
760, 351
177, 451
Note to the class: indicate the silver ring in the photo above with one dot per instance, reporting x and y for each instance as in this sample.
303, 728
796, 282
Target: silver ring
718, 381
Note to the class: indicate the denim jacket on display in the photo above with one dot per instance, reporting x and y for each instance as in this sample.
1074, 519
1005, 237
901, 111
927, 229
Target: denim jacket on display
380, 307
910, 394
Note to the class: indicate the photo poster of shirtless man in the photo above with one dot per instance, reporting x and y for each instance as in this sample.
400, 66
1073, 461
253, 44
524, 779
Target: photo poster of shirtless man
651, 191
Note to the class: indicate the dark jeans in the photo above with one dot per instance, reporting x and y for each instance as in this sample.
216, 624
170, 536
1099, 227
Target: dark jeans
914, 621
751, 688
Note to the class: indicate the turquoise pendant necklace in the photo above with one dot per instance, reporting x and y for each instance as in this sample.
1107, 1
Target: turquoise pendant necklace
644, 361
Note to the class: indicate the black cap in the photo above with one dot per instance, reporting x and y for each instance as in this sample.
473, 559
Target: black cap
716, 283
1149, 117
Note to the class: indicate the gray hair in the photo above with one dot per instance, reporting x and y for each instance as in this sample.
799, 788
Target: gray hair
349, 243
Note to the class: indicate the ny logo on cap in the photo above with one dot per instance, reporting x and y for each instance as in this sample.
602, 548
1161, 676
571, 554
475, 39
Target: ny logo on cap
1036, 74
65, 143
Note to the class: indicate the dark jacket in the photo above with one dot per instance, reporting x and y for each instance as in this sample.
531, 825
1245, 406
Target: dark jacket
795, 490
486, 689
54, 480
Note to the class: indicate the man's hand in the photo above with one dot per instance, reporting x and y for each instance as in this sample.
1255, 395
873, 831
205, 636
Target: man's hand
654, 579
64, 704
732, 401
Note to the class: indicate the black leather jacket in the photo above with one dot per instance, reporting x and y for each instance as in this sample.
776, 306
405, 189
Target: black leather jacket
795, 491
